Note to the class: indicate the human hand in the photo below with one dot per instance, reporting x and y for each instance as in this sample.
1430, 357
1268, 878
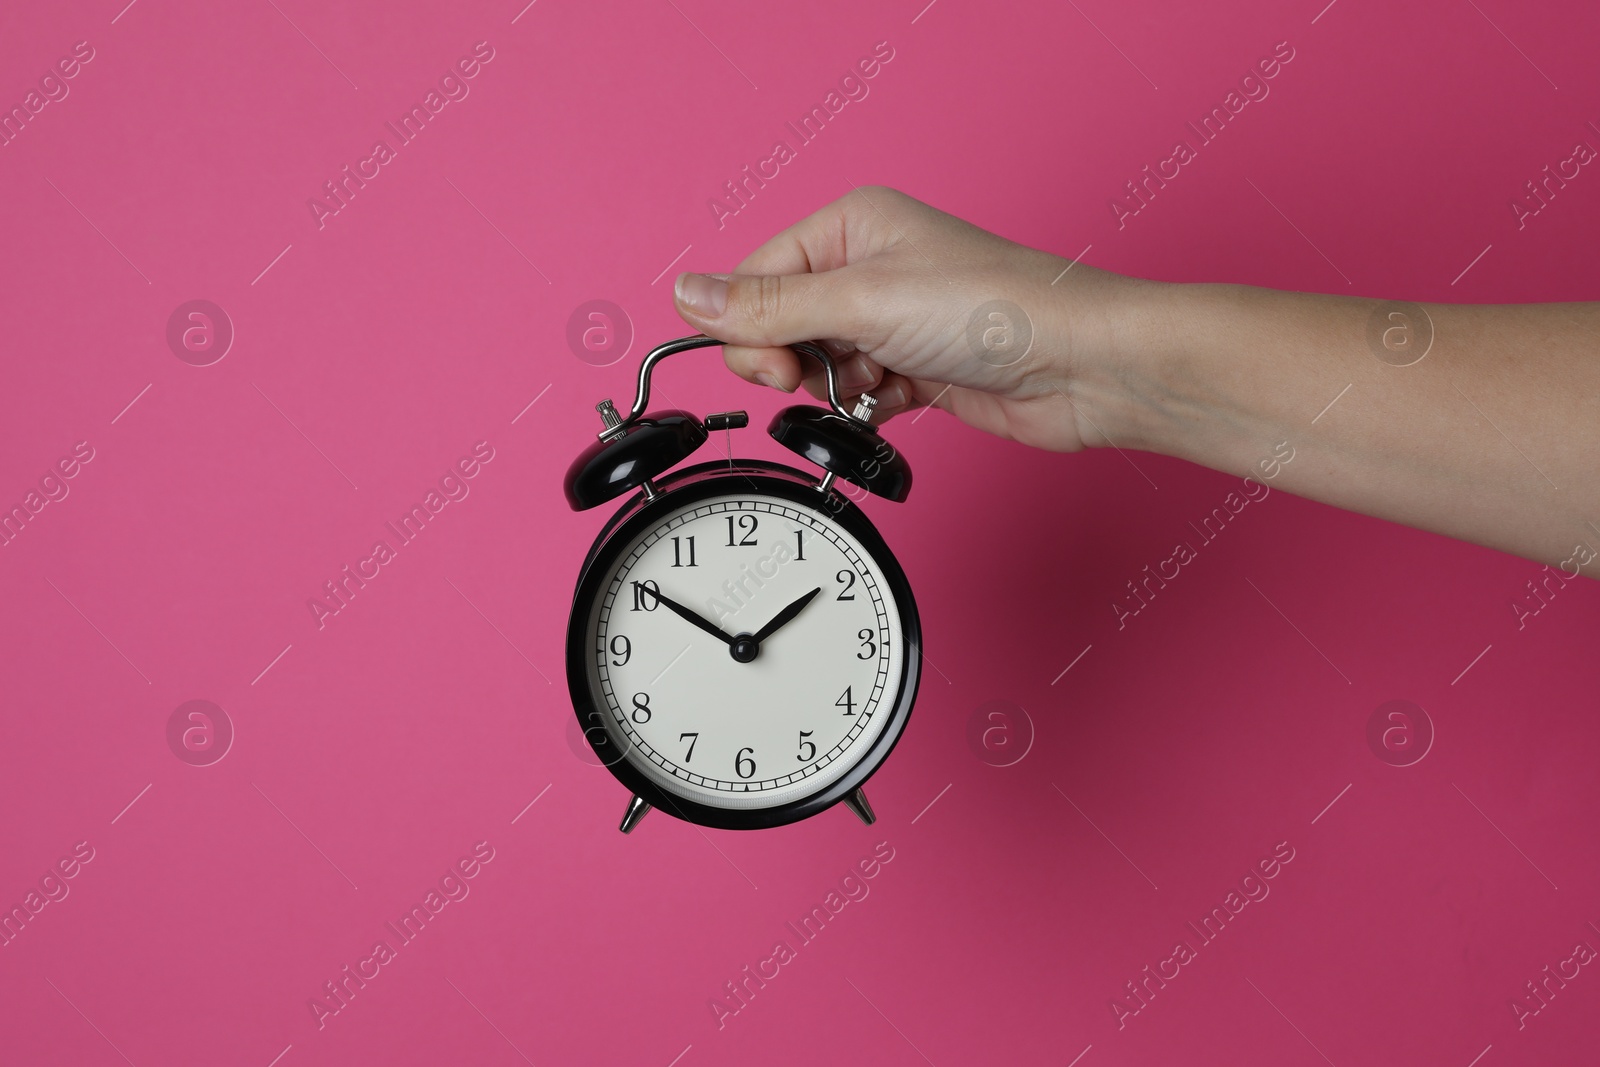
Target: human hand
891, 286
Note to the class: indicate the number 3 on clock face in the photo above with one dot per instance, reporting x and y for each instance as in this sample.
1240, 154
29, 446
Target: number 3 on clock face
748, 651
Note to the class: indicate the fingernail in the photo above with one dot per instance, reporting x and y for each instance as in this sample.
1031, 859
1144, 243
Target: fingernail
767, 380
703, 293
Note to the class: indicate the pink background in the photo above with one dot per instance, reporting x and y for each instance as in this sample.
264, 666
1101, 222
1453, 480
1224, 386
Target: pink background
373, 753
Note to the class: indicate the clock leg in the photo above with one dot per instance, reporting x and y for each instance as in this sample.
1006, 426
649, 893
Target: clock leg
858, 804
636, 811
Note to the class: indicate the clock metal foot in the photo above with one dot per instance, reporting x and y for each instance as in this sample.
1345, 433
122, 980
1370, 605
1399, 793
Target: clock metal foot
858, 804
637, 808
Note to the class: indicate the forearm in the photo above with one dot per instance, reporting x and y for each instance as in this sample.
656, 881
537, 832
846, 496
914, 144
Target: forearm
1492, 436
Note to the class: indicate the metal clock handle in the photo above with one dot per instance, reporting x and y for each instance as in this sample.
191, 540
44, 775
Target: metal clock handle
616, 424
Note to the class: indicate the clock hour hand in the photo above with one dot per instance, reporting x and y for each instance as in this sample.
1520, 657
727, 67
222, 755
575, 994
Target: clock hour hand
684, 613
784, 616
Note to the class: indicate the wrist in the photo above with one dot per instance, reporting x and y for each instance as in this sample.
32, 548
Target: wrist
1119, 360
1214, 373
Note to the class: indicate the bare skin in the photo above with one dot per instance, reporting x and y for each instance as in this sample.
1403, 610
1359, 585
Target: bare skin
1492, 435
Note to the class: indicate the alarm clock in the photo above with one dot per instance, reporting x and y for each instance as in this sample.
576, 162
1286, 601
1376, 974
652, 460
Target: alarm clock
743, 650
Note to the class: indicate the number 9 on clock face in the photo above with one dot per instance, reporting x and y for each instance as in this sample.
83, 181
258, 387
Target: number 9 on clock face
752, 656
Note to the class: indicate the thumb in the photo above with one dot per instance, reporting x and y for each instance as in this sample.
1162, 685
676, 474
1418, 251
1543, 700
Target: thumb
765, 311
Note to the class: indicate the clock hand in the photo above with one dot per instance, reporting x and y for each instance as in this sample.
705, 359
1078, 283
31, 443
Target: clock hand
784, 616
684, 613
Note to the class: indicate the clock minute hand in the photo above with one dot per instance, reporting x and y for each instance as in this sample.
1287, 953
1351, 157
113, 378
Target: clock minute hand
784, 616
684, 613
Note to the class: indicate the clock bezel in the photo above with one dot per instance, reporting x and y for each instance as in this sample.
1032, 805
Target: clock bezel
687, 487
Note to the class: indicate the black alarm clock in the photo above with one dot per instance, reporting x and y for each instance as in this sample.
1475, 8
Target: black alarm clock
743, 650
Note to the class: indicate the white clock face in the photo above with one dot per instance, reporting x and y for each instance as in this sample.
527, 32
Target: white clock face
690, 707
